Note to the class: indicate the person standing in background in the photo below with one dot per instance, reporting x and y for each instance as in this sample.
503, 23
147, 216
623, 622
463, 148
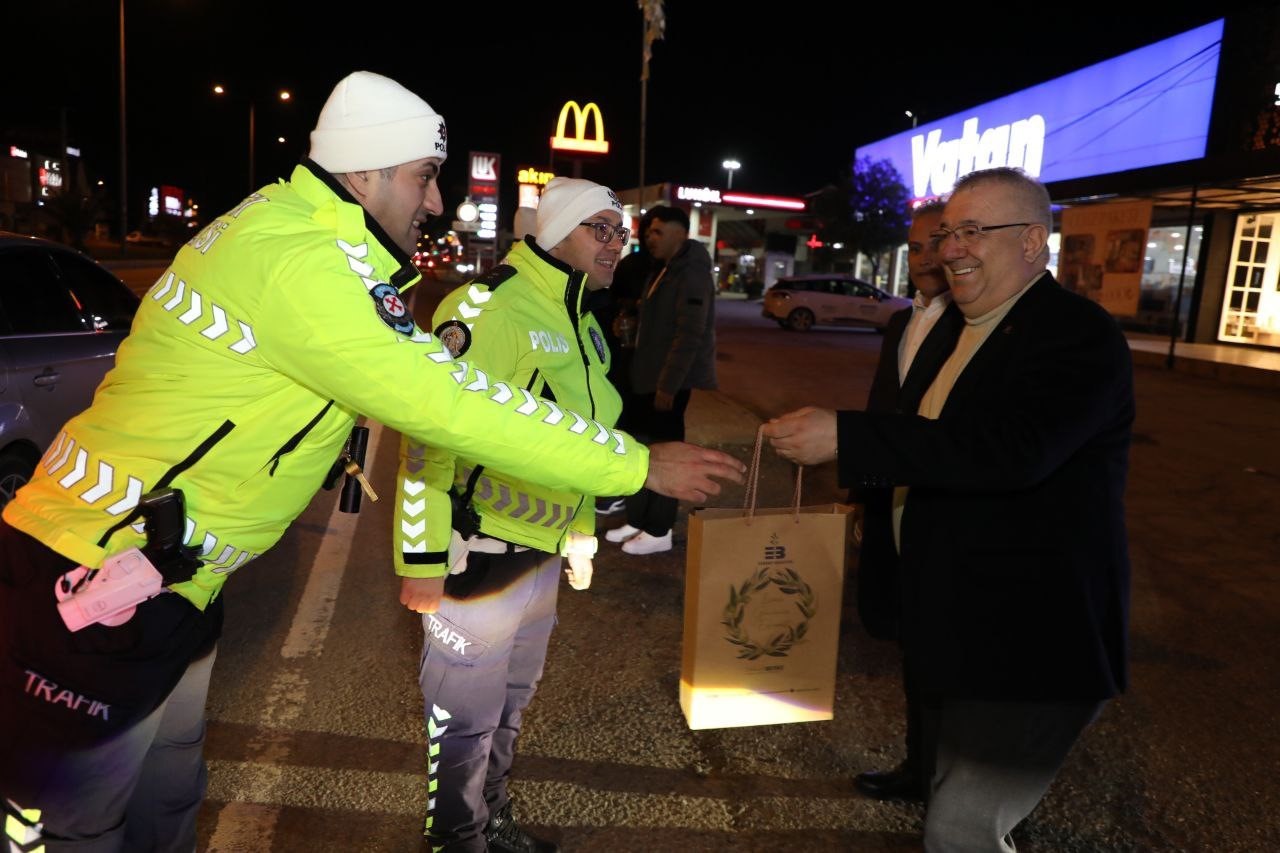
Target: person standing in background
916, 342
675, 353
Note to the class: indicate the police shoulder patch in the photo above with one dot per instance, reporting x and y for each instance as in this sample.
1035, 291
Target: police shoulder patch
454, 336
391, 307
598, 341
495, 276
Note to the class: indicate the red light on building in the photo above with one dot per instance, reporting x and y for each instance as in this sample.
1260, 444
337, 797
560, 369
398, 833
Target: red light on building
772, 201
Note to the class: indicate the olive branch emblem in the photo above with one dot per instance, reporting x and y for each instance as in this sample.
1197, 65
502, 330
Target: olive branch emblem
789, 583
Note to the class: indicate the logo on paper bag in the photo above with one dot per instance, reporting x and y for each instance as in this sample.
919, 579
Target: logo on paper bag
769, 612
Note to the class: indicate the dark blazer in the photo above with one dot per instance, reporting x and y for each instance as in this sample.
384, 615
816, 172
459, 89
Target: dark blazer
1015, 560
878, 580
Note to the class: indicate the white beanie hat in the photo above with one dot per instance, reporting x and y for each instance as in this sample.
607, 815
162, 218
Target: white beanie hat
526, 221
372, 122
565, 203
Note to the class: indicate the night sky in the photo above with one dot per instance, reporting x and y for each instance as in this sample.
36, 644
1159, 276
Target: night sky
781, 87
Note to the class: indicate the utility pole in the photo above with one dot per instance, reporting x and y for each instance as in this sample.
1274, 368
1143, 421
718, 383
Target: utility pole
655, 24
644, 109
124, 174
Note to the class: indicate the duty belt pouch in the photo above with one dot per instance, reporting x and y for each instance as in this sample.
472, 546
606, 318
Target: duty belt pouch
465, 518
76, 689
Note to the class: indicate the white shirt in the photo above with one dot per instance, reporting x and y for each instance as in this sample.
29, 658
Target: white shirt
923, 318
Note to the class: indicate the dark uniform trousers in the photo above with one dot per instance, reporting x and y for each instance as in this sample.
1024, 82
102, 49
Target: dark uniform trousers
135, 786
651, 512
481, 662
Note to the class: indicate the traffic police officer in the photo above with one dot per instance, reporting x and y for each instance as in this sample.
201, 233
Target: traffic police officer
485, 646
249, 360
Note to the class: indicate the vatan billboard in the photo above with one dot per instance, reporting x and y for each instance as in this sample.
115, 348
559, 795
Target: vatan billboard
1144, 108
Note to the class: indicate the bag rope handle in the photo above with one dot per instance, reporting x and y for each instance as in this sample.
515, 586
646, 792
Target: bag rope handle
753, 482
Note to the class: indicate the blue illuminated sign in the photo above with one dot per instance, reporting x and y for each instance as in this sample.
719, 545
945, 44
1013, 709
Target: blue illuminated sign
1147, 107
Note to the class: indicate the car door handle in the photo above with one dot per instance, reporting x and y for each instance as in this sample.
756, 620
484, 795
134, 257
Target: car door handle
47, 379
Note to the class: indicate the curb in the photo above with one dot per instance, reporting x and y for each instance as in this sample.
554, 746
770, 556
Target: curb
716, 419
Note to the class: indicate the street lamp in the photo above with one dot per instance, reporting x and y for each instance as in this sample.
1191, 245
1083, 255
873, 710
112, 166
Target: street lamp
283, 95
731, 166
914, 118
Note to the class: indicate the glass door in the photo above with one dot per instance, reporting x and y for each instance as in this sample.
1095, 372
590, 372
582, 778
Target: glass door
1251, 308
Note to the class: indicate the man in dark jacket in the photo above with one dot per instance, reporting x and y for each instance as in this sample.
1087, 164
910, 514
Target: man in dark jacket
1014, 555
916, 343
675, 353
615, 308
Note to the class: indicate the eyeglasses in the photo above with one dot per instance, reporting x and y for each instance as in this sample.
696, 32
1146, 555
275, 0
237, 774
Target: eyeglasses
605, 231
966, 234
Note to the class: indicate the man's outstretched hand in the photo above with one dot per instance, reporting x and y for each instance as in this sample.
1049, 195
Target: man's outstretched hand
686, 471
806, 436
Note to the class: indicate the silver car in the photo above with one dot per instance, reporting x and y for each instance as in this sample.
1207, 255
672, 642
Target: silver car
802, 301
62, 317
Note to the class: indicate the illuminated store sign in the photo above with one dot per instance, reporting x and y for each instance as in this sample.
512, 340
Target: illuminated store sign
50, 177
171, 200
483, 189
1145, 108
698, 194
537, 177
581, 119
709, 195
484, 167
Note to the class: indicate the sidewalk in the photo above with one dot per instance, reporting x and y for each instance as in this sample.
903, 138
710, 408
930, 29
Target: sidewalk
1239, 365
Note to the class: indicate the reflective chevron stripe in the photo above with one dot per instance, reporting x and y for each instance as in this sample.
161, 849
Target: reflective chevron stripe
219, 324
516, 504
413, 518
54, 450
22, 829
436, 726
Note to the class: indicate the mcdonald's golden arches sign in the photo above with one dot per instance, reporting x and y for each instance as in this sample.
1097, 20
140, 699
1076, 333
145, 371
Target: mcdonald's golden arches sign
581, 125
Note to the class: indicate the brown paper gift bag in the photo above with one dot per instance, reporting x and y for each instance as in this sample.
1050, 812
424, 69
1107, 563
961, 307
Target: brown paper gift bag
762, 612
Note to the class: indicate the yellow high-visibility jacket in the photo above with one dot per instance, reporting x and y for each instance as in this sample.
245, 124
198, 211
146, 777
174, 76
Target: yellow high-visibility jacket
523, 321
249, 361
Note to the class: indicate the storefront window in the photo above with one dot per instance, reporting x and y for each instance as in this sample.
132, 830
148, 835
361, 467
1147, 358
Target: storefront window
1251, 308
901, 275
1162, 267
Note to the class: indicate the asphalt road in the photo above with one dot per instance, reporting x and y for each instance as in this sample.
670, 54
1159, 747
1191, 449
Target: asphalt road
316, 742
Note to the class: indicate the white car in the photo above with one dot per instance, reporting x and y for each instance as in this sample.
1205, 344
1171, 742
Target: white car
830, 299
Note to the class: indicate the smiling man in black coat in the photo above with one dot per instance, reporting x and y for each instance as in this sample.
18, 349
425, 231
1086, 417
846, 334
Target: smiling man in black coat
1013, 547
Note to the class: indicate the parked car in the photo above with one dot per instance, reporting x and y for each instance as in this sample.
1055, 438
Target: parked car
145, 239
802, 301
62, 317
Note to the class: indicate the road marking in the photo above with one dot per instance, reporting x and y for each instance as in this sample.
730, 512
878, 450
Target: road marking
311, 620
244, 826
253, 798
563, 804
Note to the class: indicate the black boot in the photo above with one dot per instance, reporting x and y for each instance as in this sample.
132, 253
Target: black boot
900, 783
505, 836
